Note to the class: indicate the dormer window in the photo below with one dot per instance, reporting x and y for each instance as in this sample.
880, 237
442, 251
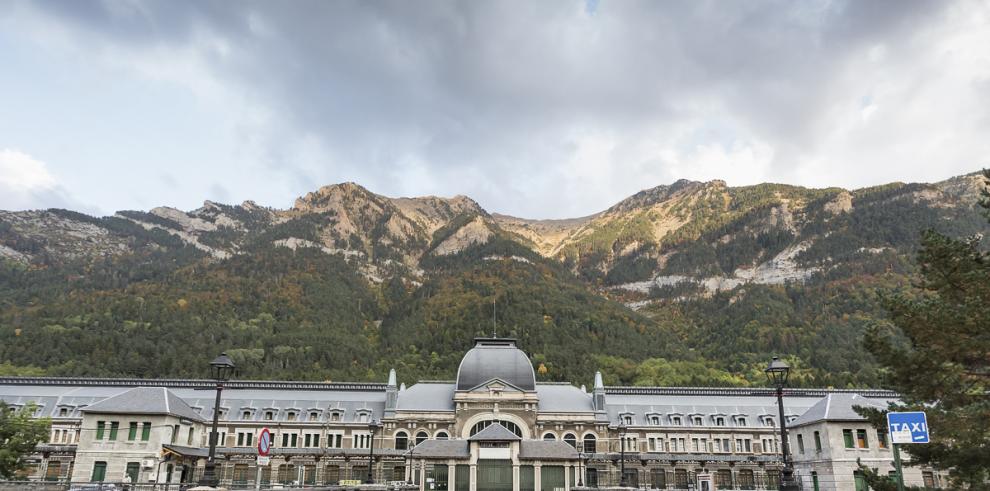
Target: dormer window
336, 415
768, 422
655, 420
696, 420
269, 415
627, 420
676, 421
290, 416
740, 421
314, 416
719, 420
246, 415
63, 412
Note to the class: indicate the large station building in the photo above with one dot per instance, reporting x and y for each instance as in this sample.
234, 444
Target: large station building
493, 428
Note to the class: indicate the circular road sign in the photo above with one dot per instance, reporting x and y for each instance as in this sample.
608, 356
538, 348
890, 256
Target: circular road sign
264, 442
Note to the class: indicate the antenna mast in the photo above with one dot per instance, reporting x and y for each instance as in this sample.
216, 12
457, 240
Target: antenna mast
494, 331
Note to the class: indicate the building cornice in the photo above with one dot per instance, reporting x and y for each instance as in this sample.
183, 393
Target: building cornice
192, 383
744, 391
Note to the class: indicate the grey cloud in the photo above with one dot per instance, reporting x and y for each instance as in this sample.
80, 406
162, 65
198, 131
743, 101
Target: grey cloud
497, 90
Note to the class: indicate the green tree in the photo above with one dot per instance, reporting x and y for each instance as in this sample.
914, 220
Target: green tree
936, 352
20, 432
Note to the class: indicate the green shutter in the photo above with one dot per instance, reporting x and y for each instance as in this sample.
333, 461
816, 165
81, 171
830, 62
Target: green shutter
100, 428
462, 477
526, 478
132, 432
114, 426
847, 436
145, 431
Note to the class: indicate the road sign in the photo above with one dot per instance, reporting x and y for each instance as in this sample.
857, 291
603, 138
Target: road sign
264, 442
263, 461
911, 427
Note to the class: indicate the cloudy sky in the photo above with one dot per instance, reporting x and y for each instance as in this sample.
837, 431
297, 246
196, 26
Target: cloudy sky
541, 109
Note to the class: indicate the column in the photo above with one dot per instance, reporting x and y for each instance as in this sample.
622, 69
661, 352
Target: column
409, 470
422, 475
568, 471
515, 476
473, 486
451, 476
537, 476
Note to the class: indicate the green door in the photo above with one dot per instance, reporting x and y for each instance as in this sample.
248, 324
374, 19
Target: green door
133, 469
495, 475
860, 481
439, 475
462, 477
526, 479
99, 471
552, 478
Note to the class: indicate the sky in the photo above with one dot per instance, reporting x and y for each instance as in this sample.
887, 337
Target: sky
545, 109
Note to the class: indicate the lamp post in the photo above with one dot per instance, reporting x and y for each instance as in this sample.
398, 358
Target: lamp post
581, 469
221, 369
373, 426
777, 373
622, 456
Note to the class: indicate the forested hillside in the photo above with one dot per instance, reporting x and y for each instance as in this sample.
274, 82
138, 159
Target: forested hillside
688, 284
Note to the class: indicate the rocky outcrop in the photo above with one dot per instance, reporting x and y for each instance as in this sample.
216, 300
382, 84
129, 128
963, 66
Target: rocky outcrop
473, 233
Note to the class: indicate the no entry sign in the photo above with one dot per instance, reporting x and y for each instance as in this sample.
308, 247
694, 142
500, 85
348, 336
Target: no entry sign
264, 442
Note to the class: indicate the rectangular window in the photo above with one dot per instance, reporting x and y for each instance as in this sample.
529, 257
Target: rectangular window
694, 445
132, 432
818, 442
189, 439
928, 477
240, 439
250, 439
175, 434
847, 438
114, 426
308, 440
285, 440
800, 439
316, 440
145, 431
100, 429
861, 440
295, 440
881, 439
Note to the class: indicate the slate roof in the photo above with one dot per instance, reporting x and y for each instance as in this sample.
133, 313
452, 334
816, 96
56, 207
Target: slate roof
427, 396
837, 407
495, 433
493, 358
440, 449
564, 398
547, 450
145, 400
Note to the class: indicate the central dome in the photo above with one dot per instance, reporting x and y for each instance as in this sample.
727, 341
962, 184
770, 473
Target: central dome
495, 358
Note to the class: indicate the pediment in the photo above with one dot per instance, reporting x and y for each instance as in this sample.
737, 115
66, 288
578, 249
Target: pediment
495, 386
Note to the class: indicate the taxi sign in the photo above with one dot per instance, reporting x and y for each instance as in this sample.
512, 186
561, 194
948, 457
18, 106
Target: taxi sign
909, 427
264, 442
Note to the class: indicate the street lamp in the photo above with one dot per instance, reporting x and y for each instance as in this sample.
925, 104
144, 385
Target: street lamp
582, 469
622, 456
373, 426
221, 369
777, 373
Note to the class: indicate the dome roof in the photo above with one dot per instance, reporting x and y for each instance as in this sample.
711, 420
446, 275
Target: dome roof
495, 358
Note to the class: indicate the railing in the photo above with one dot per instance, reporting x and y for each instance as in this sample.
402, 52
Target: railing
122, 486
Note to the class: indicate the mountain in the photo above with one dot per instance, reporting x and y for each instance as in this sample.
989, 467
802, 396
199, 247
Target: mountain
348, 283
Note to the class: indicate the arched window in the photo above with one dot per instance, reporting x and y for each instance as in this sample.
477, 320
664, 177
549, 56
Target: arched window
549, 437
509, 425
571, 439
442, 435
589, 443
401, 440
421, 437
